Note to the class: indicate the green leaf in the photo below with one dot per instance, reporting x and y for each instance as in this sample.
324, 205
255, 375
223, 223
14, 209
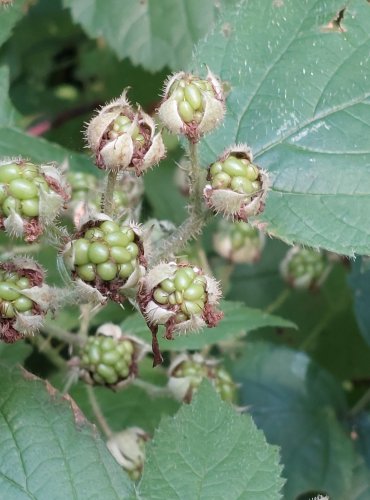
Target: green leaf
129, 407
48, 449
209, 451
360, 487
151, 33
7, 112
238, 320
11, 354
359, 281
14, 142
9, 16
300, 98
299, 406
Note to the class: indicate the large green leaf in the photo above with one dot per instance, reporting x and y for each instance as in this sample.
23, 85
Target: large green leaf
209, 451
48, 450
14, 142
151, 33
11, 354
298, 406
300, 98
7, 112
129, 407
359, 281
9, 15
360, 488
238, 320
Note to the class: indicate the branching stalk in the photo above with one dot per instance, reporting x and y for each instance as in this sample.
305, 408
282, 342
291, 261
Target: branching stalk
109, 190
100, 418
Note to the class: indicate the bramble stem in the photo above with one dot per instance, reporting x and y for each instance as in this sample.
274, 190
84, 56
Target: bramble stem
103, 424
151, 389
361, 404
7, 252
109, 190
60, 334
279, 301
44, 347
198, 216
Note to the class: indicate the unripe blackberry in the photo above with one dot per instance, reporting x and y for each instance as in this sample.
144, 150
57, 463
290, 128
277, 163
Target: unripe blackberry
187, 372
24, 299
305, 268
237, 187
128, 448
110, 358
82, 184
192, 106
180, 297
106, 258
31, 196
124, 138
238, 242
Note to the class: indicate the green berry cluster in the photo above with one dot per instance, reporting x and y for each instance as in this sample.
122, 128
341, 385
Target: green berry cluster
122, 125
189, 95
82, 185
108, 360
20, 186
185, 293
308, 263
12, 301
197, 370
106, 251
241, 232
237, 174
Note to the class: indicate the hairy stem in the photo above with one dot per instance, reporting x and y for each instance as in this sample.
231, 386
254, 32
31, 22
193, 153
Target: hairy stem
279, 301
44, 347
109, 190
8, 251
58, 333
151, 389
103, 424
198, 216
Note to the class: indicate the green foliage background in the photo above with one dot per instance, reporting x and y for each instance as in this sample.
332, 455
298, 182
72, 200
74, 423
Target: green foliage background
300, 97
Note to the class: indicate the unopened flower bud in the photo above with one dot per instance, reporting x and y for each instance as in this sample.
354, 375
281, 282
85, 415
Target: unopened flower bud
105, 260
24, 299
192, 106
110, 357
238, 242
124, 138
31, 197
128, 448
187, 372
180, 297
305, 268
237, 187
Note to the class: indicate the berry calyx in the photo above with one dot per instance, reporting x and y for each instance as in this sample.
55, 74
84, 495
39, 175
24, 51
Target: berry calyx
188, 371
238, 242
23, 299
237, 187
305, 268
191, 105
31, 196
128, 448
107, 257
180, 297
124, 138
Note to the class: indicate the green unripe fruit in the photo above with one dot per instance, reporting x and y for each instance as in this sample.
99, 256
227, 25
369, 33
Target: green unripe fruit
110, 357
7, 310
117, 238
241, 185
120, 255
192, 308
23, 304
182, 280
133, 249
23, 283
107, 343
129, 233
98, 253
109, 227
233, 167
30, 208
216, 168
86, 272
107, 271
186, 112
125, 270
193, 96
9, 172
3, 192
94, 234
8, 291
252, 172
122, 120
11, 204
221, 181
193, 292
168, 286
108, 373
178, 94
94, 354
81, 252
22, 189
160, 296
